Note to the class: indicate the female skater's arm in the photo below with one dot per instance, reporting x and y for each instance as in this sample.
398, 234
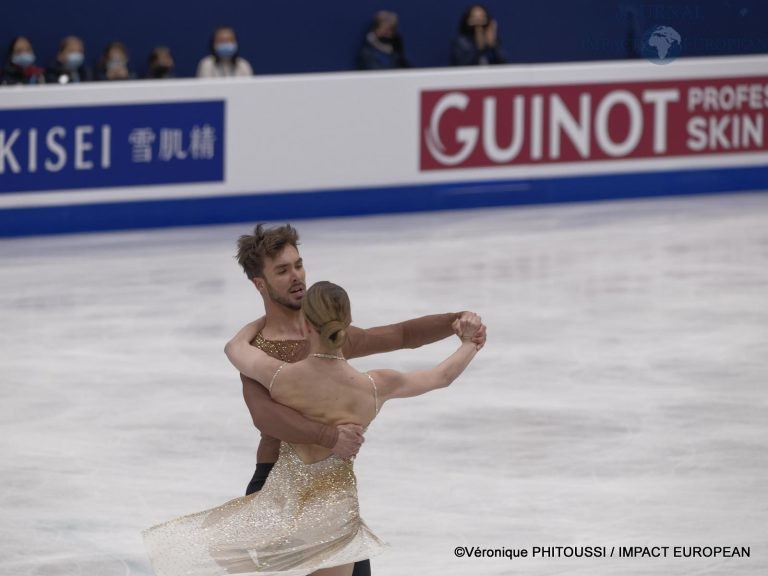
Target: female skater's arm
249, 360
393, 384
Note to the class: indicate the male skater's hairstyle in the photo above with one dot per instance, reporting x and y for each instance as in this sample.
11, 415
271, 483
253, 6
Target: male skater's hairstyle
263, 243
326, 307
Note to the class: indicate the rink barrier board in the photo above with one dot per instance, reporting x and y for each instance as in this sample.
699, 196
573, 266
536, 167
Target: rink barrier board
78, 218
195, 152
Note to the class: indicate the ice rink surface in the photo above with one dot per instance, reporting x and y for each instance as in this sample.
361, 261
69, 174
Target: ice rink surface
621, 400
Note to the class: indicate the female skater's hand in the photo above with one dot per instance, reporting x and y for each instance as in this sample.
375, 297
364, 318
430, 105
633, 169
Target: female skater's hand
249, 332
480, 337
258, 326
469, 328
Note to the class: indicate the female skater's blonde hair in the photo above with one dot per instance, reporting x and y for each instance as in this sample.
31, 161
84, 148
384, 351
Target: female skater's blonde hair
326, 307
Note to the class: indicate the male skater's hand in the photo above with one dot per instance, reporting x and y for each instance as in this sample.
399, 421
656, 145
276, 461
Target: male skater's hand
349, 441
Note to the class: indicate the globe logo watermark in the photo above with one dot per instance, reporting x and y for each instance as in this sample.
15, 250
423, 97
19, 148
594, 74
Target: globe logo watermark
661, 44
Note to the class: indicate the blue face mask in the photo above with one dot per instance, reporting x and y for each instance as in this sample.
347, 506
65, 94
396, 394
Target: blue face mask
74, 60
225, 49
23, 59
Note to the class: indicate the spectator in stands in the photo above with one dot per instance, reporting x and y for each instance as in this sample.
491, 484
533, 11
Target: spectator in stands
69, 65
477, 43
113, 64
383, 47
160, 64
224, 59
20, 66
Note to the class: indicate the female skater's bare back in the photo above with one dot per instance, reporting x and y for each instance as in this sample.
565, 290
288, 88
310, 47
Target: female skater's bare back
326, 390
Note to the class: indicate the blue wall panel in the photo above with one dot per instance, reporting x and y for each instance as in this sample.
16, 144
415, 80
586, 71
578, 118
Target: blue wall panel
261, 207
295, 36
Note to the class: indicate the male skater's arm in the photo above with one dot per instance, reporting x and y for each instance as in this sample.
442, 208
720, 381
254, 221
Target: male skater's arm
408, 334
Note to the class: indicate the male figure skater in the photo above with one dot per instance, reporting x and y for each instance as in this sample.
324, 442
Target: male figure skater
270, 259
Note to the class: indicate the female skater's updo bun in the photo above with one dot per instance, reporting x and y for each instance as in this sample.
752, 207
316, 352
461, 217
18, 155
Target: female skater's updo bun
326, 307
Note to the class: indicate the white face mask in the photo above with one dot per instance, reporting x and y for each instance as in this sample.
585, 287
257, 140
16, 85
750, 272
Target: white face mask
74, 60
23, 59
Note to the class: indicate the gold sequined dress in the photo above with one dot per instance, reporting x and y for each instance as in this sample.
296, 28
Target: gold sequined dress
306, 517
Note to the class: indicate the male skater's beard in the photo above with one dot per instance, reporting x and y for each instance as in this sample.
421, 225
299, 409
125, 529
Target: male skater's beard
275, 297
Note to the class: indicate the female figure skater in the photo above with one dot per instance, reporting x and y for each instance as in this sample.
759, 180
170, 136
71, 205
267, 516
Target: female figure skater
306, 518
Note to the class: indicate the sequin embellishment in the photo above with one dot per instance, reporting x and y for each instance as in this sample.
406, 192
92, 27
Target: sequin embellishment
305, 518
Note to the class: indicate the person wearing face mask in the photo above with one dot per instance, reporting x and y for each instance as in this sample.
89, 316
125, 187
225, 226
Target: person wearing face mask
383, 47
477, 43
224, 60
20, 64
69, 66
160, 64
113, 64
